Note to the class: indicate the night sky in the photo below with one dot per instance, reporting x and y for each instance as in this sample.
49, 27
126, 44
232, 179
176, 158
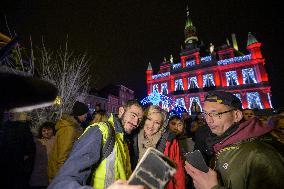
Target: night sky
121, 37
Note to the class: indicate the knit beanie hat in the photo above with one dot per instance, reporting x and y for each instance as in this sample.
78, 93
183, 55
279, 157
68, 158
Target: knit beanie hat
79, 109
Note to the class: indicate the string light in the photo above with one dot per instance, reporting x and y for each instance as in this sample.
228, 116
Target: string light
235, 59
161, 75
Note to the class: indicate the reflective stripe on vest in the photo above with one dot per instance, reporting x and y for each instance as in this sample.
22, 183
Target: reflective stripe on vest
116, 165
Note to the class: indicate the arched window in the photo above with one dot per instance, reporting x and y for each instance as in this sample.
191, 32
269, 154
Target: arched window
180, 102
166, 105
239, 96
254, 100
248, 76
269, 100
192, 83
155, 88
179, 85
164, 88
208, 80
194, 105
232, 78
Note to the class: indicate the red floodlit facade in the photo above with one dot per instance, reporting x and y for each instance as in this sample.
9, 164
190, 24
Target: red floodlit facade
202, 68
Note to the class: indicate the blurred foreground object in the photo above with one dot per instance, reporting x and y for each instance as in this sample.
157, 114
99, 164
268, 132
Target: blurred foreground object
21, 93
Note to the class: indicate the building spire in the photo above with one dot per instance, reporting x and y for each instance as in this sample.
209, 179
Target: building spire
187, 11
149, 66
251, 39
190, 30
188, 22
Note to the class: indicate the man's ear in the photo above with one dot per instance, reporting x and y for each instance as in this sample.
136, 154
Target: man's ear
120, 112
238, 116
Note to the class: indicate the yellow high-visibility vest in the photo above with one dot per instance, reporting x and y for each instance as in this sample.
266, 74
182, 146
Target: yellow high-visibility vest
116, 165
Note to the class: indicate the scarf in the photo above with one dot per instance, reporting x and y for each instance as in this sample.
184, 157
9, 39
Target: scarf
145, 143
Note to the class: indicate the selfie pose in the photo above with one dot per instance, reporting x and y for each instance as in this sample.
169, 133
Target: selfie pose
244, 158
153, 134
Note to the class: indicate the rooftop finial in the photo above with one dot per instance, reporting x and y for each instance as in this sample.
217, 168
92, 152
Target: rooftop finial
187, 11
171, 58
251, 39
149, 66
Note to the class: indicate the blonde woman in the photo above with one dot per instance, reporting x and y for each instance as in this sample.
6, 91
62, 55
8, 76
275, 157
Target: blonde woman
153, 134
99, 116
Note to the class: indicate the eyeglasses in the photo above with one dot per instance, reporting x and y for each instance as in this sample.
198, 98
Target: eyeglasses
215, 114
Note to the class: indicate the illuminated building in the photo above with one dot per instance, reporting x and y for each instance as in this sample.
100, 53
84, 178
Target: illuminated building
202, 68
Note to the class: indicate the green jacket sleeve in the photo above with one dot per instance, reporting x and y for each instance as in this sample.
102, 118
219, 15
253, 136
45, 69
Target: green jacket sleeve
266, 171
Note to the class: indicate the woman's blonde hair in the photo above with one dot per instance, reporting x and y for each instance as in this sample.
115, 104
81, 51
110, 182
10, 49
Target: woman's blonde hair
155, 109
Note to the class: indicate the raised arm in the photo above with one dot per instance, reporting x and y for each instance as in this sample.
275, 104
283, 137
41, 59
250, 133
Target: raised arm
77, 168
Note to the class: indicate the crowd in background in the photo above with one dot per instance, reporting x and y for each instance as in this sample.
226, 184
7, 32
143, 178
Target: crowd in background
37, 157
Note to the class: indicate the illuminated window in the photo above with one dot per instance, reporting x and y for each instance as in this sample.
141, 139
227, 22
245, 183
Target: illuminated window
269, 100
179, 85
176, 66
208, 80
239, 96
166, 105
254, 100
164, 88
192, 83
194, 105
155, 88
190, 63
248, 76
232, 79
180, 102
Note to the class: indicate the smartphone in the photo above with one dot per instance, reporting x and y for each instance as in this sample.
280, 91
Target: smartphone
154, 170
196, 159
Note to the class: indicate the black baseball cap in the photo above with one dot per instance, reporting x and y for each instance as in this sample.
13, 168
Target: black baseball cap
223, 97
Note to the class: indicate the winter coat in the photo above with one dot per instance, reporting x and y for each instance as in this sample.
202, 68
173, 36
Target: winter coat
244, 160
17, 150
86, 159
68, 131
171, 150
39, 175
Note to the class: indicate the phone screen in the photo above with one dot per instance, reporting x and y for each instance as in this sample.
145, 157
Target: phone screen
195, 158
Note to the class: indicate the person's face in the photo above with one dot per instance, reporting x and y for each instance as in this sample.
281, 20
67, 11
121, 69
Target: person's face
176, 126
185, 115
263, 119
130, 118
248, 114
97, 108
83, 117
219, 123
47, 133
153, 124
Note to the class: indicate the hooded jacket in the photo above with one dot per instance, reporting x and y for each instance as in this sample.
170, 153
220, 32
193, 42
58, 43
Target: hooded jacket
244, 160
68, 131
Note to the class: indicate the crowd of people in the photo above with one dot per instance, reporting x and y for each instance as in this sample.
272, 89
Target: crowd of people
240, 149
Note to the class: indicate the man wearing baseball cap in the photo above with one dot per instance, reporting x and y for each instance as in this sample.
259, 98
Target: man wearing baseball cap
243, 158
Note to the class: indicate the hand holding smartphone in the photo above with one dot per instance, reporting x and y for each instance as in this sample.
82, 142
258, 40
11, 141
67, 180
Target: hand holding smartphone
195, 158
